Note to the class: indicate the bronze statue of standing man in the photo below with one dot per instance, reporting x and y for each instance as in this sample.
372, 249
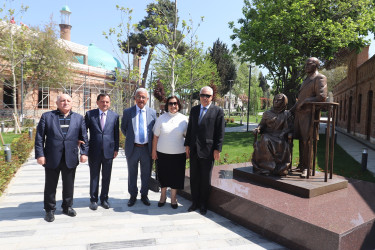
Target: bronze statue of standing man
313, 89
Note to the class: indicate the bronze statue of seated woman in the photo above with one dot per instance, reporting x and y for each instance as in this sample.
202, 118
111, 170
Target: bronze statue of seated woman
272, 153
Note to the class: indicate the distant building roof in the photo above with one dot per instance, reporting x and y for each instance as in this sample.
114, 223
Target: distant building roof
99, 58
66, 8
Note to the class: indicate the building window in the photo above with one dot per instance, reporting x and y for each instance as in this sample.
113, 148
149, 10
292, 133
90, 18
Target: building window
340, 109
359, 107
43, 98
8, 96
87, 98
344, 110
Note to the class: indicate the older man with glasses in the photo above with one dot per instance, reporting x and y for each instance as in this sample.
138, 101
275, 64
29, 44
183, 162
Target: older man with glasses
137, 123
204, 140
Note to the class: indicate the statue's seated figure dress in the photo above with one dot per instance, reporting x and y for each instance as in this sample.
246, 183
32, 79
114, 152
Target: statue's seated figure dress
272, 152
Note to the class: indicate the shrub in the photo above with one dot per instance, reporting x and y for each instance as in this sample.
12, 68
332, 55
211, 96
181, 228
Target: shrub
231, 120
21, 148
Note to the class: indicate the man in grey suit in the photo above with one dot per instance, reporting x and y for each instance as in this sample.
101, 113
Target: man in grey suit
56, 139
137, 124
103, 125
204, 140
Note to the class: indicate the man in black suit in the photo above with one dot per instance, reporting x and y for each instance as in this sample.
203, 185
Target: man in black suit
103, 125
204, 140
56, 149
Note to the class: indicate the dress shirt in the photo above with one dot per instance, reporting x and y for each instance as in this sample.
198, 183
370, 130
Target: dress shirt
136, 129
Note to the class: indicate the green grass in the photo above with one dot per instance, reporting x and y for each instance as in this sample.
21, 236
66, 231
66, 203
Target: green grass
252, 118
238, 147
231, 125
343, 164
9, 137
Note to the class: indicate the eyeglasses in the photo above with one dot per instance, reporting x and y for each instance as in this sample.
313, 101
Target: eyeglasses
204, 95
141, 97
172, 103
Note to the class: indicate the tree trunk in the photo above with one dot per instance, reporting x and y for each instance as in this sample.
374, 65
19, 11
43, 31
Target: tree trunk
147, 66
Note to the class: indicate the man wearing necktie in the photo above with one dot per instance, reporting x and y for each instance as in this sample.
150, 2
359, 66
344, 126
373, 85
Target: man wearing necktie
204, 140
137, 123
103, 125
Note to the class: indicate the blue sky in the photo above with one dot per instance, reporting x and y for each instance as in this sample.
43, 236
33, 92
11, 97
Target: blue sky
90, 18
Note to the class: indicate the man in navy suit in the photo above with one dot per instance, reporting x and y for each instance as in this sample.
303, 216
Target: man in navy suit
103, 125
204, 140
137, 123
56, 149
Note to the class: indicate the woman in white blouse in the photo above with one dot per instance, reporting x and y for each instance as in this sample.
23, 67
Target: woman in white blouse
169, 151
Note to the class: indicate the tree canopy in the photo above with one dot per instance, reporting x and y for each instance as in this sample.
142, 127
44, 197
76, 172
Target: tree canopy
281, 35
226, 68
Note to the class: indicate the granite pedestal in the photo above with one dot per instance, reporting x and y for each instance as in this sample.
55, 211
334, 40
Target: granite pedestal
342, 219
293, 183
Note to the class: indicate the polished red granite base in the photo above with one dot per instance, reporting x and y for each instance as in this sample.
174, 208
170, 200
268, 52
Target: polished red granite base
293, 183
343, 219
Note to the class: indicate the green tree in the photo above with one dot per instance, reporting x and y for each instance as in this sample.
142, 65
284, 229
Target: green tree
226, 68
170, 39
165, 8
334, 76
281, 35
33, 54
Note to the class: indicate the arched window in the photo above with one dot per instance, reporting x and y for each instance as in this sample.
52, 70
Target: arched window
359, 108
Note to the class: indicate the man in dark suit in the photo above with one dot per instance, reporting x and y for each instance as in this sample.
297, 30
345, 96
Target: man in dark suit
313, 89
58, 133
204, 140
103, 125
137, 123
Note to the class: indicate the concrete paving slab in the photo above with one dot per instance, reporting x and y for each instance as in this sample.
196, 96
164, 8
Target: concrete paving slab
22, 225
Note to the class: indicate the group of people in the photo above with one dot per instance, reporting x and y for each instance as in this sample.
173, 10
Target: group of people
169, 140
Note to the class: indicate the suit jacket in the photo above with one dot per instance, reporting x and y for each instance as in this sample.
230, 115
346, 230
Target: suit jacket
207, 136
315, 86
107, 139
51, 143
128, 123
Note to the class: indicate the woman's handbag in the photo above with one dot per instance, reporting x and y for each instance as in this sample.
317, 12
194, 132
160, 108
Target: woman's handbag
153, 183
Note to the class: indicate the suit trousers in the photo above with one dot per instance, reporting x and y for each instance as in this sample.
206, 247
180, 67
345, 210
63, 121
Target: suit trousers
51, 181
142, 156
200, 178
105, 165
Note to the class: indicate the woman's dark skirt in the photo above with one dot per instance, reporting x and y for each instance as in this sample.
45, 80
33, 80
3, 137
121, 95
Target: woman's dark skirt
171, 170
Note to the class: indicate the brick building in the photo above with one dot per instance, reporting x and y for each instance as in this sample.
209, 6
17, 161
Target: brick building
355, 94
94, 73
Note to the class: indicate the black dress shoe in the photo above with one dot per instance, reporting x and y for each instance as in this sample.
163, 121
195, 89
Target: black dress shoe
132, 201
203, 210
160, 204
69, 211
145, 200
193, 207
50, 216
105, 204
93, 205
174, 206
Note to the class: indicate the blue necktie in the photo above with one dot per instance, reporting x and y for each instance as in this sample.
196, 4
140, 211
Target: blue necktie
141, 128
201, 116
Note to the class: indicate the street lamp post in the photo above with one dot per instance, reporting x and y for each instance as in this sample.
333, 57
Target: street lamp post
230, 94
248, 100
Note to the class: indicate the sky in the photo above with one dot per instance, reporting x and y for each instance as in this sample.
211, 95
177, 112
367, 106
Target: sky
89, 19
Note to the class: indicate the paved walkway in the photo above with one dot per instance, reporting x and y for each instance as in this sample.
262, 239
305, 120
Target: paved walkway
22, 225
